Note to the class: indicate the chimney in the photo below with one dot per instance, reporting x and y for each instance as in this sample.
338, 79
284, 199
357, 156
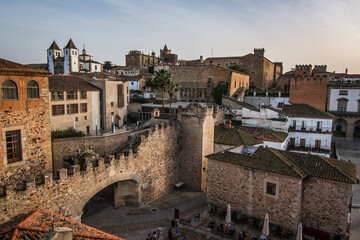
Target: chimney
228, 124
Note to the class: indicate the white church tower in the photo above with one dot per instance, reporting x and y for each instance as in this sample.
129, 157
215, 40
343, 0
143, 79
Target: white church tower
53, 53
71, 58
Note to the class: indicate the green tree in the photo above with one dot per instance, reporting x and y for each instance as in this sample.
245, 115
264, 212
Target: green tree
107, 65
239, 69
171, 89
161, 80
218, 91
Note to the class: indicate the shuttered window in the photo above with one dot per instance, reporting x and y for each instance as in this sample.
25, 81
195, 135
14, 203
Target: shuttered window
120, 96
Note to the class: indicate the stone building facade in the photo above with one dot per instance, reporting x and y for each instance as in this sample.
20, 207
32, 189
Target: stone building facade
136, 58
262, 72
197, 82
25, 123
309, 85
280, 184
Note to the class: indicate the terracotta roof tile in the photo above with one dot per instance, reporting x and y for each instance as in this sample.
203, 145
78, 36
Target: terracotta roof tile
7, 66
304, 110
264, 134
69, 82
35, 225
292, 164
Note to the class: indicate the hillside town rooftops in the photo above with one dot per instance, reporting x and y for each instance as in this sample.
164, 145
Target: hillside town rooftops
291, 164
265, 134
37, 224
69, 83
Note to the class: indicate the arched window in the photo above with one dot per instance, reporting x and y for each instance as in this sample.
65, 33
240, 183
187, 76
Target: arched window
32, 89
9, 90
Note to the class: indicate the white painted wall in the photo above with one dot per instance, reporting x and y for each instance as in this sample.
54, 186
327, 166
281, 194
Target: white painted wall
273, 101
265, 118
353, 99
134, 85
310, 139
311, 123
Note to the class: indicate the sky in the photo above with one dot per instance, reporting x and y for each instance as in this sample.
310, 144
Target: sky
317, 32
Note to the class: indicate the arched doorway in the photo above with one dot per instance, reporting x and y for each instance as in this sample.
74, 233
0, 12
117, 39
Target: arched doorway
119, 194
340, 127
357, 129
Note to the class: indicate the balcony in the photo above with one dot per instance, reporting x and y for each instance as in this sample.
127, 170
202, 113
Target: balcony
311, 129
311, 148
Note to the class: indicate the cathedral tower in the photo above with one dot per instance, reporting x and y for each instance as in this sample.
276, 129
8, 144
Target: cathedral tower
71, 58
53, 53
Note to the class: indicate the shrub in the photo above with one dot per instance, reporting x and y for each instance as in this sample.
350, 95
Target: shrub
67, 133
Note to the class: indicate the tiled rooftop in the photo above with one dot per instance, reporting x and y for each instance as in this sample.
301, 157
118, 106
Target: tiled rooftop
35, 225
264, 134
304, 110
12, 67
233, 136
69, 82
292, 164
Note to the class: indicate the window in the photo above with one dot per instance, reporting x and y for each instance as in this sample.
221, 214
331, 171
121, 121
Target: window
303, 124
317, 144
271, 188
359, 105
72, 52
342, 105
72, 108
57, 95
83, 95
9, 90
85, 118
302, 142
292, 142
32, 89
58, 110
132, 83
71, 95
95, 67
293, 123
343, 92
83, 107
66, 51
235, 83
76, 119
13, 146
318, 126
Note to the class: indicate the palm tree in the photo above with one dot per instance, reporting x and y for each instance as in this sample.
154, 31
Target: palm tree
162, 79
172, 88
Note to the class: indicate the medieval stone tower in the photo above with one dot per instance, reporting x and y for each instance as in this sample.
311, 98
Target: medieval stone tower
197, 141
66, 61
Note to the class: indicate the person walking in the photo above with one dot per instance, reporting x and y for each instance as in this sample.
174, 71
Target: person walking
153, 237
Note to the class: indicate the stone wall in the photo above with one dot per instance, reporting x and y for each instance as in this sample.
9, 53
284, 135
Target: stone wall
244, 190
154, 166
309, 87
326, 205
32, 118
197, 139
103, 145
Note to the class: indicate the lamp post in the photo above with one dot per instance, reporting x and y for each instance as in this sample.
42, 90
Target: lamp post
96, 131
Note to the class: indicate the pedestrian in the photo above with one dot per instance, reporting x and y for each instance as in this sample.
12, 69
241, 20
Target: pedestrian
171, 234
177, 233
148, 237
153, 236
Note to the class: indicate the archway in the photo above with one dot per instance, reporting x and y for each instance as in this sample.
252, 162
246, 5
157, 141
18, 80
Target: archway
340, 127
123, 189
357, 129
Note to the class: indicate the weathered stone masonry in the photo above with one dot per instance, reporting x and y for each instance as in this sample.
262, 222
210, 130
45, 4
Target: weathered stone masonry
154, 166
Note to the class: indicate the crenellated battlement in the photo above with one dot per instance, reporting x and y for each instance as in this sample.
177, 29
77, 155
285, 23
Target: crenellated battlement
303, 70
319, 68
196, 109
70, 188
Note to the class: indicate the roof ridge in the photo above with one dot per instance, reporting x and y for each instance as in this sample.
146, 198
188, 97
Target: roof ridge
336, 167
288, 162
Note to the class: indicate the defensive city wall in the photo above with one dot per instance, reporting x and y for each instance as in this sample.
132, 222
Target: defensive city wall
163, 155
